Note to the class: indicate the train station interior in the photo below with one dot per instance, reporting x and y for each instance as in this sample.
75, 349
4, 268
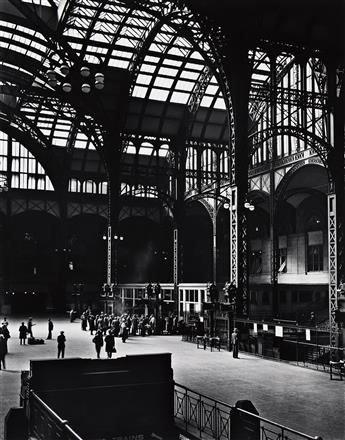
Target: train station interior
174, 168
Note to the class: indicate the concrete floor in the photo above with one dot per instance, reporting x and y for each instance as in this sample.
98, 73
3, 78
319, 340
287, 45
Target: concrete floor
299, 398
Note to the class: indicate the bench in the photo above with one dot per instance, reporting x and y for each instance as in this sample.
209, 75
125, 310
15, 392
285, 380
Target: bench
204, 341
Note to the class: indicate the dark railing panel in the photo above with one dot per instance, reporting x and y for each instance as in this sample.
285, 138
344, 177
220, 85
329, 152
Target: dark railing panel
46, 424
201, 415
207, 418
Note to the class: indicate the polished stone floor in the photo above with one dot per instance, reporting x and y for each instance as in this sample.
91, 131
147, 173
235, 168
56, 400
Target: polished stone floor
302, 399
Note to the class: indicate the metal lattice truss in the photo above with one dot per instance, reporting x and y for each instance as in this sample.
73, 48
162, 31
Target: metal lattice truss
332, 261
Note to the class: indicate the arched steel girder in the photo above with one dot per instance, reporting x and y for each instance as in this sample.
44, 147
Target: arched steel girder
15, 117
32, 66
318, 144
52, 166
55, 42
182, 28
54, 103
142, 49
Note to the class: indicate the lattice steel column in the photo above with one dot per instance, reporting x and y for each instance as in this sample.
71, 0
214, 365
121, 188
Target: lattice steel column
175, 258
332, 267
214, 242
233, 236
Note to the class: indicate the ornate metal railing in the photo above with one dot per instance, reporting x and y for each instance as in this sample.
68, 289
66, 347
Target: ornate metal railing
207, 418
46, 424
201, 415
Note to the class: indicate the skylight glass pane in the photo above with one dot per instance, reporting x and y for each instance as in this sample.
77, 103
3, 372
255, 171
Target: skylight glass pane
139, 92
206, 101
220, 104
187, 74
167, 71
180, 98
163, 82
144, 79
148, 68
185, 85
160, 95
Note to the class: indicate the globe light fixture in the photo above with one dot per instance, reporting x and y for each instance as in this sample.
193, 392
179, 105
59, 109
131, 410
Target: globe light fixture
67, 87
51, 74
64, 69
86, 88
85, 71
99, 85
53, 79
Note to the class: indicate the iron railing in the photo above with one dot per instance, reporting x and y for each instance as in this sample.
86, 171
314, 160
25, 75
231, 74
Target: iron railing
292, 347
46, 424
207, 418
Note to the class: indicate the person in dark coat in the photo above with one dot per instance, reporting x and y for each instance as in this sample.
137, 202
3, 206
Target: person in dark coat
61, 340
23, 331
50, 328
83, 321
6, 334
98, 341
235, 341
109, 344
3, 351
124, 331
30, 325
91, 320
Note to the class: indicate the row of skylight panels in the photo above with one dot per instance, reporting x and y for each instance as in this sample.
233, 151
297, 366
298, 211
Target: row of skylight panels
38, 2
18, 47
20, 35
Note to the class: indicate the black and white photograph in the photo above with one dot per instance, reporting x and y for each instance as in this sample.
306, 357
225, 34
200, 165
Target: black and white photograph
172, 219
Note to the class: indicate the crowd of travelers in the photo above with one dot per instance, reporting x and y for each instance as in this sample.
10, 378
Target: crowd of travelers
103, 328
129, 324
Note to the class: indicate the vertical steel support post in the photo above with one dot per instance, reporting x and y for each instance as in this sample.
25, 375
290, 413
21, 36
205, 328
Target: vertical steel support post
332, 267
175, 270
272, 199
109, 255
233, 236
214, 243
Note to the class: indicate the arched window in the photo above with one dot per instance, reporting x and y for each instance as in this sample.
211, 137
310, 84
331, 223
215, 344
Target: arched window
89, 187
74, 185
224, 162
103, 188
26, 171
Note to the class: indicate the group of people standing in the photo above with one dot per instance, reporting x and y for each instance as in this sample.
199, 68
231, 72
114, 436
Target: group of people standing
128, 324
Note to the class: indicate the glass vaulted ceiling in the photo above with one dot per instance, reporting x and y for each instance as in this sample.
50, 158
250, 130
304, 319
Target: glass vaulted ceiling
165, 53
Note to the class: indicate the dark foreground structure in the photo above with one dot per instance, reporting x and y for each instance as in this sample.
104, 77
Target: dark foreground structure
133, 397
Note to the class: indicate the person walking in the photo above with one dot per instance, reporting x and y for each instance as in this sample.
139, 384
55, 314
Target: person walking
3, 351
235, 343
124, 331
23, 331
110, 344
50, 328
30, 325
98, 341
61, 340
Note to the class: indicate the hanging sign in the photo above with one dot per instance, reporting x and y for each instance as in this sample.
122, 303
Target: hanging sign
307, 334
255, 327
279, 331
265, 327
